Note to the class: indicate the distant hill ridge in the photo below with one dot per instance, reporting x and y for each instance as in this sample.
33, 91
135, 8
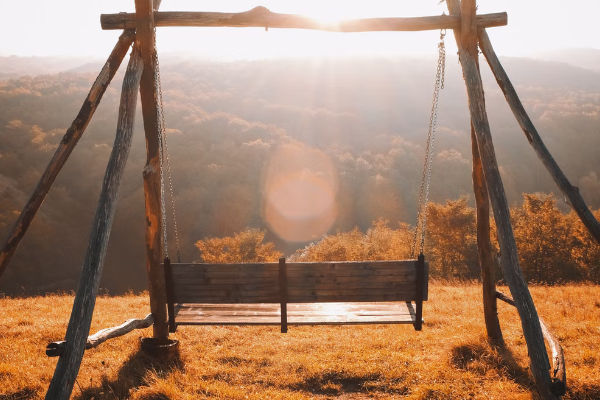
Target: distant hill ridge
226, 120
15, 66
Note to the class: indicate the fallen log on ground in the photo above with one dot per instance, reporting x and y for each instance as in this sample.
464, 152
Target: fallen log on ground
559, 373
55, 349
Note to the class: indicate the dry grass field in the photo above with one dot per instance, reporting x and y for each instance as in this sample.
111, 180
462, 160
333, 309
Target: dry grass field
449, 359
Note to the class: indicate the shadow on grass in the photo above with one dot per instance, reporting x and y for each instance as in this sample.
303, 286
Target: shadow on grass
23, 394
582, 391
131, 376
480, 358
341, 382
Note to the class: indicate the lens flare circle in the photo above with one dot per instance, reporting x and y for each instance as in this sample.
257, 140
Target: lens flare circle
300, 193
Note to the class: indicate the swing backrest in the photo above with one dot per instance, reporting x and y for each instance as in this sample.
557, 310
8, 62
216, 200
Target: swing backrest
344, 281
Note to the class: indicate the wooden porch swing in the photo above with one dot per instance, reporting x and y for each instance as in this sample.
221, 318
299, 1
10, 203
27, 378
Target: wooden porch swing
189, 290
300, 293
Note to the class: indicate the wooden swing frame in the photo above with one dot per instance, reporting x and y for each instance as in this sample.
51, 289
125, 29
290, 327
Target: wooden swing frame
139, 28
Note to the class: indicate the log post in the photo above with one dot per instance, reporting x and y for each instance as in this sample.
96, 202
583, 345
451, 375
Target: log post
170, 294
419, 290
532, 330
145, 39
66, 146
533, 137
283, 294
76, 337
261, 17
484, 248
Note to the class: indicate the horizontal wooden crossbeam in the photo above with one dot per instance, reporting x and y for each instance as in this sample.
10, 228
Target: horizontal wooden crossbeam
263, 18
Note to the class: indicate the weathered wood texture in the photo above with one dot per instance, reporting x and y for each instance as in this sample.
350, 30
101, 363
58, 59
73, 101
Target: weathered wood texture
468, 25
85, 299
152, 193
170, 295
297, 314
559, 372
262, 17
55, 349
484, 247
65, 147
509, 260
306, 282
283, 294
533, 137
420, 277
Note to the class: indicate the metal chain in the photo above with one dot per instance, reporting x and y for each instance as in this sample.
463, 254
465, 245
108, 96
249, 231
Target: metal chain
424, 188
165, 161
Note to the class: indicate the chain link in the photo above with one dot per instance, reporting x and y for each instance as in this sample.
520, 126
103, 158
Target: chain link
424, 188
165, 162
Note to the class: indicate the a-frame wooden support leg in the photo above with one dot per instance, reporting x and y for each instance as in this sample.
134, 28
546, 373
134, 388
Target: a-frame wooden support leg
145, 38
484, 248
65, 147
533, 137
85, 299
467, 45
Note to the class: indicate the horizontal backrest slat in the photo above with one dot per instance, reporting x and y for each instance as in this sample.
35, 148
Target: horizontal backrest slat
306, 282
352, 281
226, 283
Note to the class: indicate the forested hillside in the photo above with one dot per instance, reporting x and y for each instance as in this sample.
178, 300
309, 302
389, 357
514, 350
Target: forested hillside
363, 122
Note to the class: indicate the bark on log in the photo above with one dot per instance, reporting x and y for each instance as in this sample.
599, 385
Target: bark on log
468, 14
85, 299
559, 372
532, 330
65, 147
55, 349
261, 17
484, 248
532, 135
151, 173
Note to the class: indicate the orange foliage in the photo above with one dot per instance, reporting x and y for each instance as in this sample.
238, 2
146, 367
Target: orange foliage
246, 246
585, 251
451, 241
553, 246
543, 236
380, 242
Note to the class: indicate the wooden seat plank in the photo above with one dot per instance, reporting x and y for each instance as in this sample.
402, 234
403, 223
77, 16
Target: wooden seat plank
298, 314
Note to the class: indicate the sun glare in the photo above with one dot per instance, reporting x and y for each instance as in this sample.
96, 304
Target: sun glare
328, 12
256, 43
300, 190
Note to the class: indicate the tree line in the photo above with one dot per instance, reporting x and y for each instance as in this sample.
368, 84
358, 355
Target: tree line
367, 117
554, 246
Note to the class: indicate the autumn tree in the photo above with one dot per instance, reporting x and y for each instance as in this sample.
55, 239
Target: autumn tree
451, 242
585, 250
543, 236
380, 242
246, 246
338, 247
383, 243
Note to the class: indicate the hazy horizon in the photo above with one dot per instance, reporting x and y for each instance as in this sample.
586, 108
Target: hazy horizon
361, 123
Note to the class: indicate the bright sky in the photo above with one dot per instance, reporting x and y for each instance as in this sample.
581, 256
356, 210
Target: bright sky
72, 27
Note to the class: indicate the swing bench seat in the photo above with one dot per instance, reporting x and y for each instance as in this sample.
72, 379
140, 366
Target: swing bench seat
319, 293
